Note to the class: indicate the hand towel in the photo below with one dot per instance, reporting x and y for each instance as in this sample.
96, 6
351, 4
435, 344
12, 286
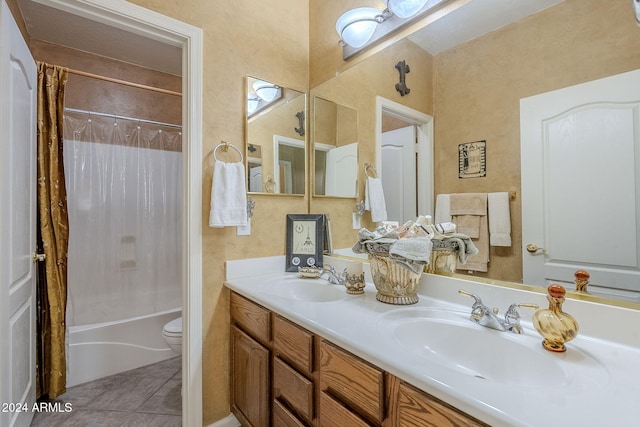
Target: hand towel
474, 205
443, 209
374, 199
499, 219
468, 204
228, 195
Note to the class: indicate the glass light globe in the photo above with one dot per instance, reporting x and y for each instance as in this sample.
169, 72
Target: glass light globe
356, 26
405, 8
265, 90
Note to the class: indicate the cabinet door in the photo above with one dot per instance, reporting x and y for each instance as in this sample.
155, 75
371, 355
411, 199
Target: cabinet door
418, 409
250, 379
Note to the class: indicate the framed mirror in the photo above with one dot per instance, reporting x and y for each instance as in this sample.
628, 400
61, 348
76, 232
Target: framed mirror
335, 149
276, 142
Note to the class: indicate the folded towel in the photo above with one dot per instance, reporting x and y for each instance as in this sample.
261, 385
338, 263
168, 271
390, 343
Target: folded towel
468, 204
499, 219
462, 206
443, 208
469, 225
228, 195
374, 199
479, 261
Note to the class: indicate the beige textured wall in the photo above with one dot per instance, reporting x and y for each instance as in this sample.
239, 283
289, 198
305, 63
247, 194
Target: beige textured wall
268, 40
478, 87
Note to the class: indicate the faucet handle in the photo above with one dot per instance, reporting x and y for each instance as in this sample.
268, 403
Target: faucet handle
512, 317
469, 294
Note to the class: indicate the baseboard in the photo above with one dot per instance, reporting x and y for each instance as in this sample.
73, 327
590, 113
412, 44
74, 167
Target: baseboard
228, 421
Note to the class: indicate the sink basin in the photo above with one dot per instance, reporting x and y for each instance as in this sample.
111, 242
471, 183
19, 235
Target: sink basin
307, 290
448, 338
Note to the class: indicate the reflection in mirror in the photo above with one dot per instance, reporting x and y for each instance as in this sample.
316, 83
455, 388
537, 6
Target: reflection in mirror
476, 93
275, 138
335, 145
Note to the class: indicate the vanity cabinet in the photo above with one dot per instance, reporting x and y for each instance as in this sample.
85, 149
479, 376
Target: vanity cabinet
250, 362
282, 375
293, 372
416, 408
351, 388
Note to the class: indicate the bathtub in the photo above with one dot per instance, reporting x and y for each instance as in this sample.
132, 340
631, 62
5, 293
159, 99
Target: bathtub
100, 350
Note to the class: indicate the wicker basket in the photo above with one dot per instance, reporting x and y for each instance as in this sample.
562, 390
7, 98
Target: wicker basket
395, 283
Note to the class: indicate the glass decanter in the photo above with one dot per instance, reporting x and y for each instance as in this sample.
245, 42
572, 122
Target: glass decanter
555, 326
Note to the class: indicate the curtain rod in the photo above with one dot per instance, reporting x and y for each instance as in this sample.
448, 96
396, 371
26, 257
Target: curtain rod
76, 110
122, 82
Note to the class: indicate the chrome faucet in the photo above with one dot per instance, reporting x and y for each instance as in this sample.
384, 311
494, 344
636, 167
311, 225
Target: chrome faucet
333, 276
484, 316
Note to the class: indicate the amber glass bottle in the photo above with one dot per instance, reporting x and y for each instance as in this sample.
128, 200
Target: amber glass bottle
555, 326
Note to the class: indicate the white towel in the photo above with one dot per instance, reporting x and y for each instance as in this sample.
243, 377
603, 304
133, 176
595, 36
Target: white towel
374, 199
499, 219
443, 208
228, 195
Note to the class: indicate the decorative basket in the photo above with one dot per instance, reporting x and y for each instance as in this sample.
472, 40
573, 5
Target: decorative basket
395, 283
444, 257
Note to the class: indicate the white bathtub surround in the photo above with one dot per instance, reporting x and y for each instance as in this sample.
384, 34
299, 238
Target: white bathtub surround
597, 381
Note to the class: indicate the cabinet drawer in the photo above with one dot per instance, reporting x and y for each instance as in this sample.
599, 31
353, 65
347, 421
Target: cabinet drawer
333, 414
283, 418
418, 409
293, 344
254, 319
353, 381
292, 389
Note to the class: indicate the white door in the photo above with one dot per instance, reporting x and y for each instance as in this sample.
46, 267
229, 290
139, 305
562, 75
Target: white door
581, 184
399, 173
255, 179
342, 171
17, 225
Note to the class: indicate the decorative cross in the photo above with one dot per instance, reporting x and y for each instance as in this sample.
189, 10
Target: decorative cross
403, 69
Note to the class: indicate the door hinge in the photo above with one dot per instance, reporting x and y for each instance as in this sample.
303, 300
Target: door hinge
38, 257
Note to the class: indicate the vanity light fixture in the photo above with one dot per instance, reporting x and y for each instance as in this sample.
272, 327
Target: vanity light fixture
405, 8
265, 90
356, 26
362, 26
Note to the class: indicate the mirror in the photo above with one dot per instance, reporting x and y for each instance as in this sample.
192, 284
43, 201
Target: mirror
476, 90
335, 149
276, 154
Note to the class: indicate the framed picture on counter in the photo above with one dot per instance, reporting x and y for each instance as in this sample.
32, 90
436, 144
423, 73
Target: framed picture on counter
305, 240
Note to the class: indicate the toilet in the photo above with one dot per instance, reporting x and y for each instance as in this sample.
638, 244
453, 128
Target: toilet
172, 335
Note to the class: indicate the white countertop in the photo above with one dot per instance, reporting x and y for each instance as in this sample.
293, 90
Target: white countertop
601, 368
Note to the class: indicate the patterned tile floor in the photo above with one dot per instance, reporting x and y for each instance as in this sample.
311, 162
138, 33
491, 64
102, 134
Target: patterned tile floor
147, 396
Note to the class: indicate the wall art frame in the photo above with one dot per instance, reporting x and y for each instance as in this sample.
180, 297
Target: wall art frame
305, 240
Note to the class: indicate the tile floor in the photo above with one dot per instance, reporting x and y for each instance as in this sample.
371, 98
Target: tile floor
147, 396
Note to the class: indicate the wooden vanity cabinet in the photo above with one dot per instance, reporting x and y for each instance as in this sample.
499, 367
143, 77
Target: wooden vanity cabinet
250, 362
352, 389
284, 376
416, 408
293, 374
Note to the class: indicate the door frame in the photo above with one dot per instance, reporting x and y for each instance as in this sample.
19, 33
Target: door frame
424, 123
153, 25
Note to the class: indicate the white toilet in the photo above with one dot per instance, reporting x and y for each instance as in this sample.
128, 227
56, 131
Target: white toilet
172, 334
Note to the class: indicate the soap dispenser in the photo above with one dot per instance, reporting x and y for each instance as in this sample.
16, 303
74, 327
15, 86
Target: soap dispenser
555, 326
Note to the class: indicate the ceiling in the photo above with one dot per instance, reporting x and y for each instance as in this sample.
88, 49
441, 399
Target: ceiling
55, 26
473, 19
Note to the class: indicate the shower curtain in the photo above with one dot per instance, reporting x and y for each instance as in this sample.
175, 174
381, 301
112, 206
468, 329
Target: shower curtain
124, 199
53, 232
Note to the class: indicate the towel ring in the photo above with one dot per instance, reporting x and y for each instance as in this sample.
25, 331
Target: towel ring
368, 166
225, 147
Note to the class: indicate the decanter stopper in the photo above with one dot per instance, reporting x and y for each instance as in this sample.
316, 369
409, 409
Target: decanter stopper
555, 326
581, 280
